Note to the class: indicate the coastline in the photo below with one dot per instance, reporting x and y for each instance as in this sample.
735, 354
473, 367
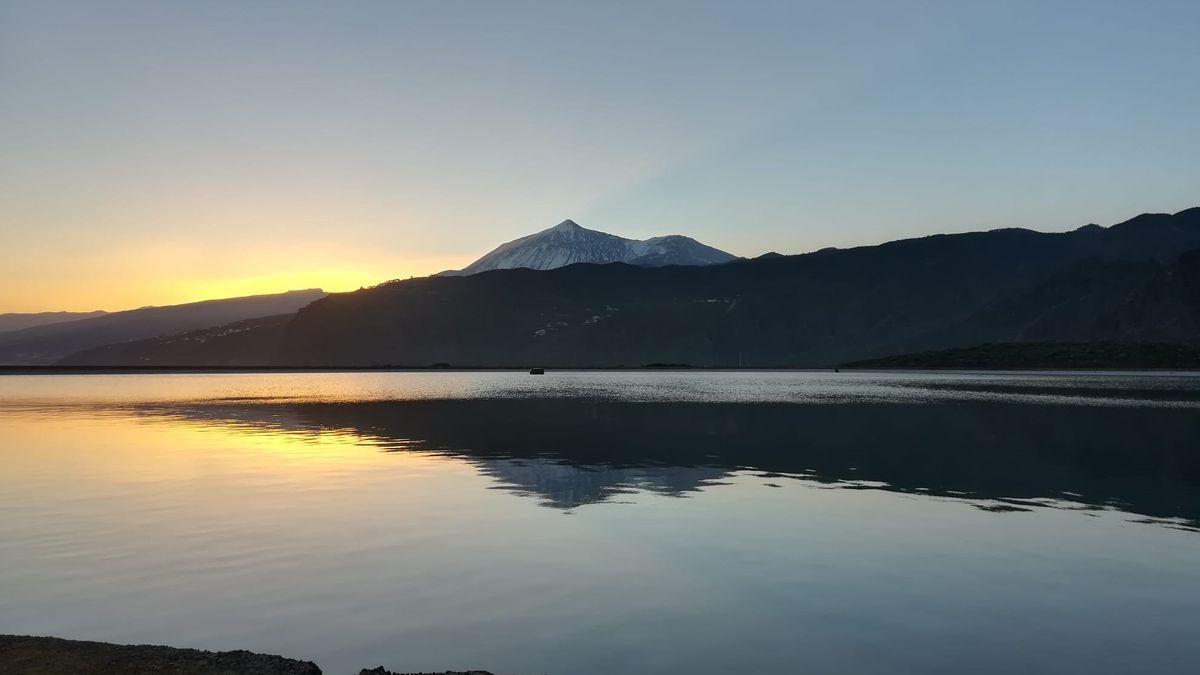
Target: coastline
43, 655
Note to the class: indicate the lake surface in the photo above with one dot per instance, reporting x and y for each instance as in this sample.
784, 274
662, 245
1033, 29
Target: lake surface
612, 522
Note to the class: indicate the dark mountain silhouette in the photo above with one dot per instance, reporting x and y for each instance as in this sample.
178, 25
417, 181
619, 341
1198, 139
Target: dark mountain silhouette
47, 344
813, 309
1126, 282
241, 343
20, 320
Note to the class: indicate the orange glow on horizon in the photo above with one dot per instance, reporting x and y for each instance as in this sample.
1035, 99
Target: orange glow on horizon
104, 285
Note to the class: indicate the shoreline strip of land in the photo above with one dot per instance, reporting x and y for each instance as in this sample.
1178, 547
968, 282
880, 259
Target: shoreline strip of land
42, 655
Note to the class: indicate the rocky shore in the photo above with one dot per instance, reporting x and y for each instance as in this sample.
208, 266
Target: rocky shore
30, 655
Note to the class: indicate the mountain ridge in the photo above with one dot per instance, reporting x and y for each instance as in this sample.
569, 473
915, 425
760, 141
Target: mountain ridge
47, 344
11, 321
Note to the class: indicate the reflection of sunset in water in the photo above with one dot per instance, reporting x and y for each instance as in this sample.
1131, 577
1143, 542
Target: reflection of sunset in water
225, 467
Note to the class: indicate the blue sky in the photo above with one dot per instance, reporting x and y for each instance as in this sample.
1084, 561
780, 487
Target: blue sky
155, 152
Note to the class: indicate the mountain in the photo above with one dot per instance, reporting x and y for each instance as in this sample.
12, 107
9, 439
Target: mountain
241, 343
808, 310
1128, 282
568, 243
49, 343
19, 320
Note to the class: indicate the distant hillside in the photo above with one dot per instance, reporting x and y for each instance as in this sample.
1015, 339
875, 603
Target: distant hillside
21, 320
567, 243
1130, 282
242, 343
1048, 356
47, 344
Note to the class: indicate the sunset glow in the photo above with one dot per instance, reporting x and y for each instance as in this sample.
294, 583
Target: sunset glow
172, 276
156, 153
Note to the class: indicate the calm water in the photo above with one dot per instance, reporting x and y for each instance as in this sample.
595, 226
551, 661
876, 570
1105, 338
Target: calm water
585, 523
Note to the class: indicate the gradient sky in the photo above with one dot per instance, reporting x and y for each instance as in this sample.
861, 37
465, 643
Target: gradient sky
162, 152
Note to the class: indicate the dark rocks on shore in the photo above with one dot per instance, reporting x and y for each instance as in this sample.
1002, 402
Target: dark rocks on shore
31, 655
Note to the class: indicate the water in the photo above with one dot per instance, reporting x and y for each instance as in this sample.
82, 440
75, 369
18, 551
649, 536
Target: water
612, 522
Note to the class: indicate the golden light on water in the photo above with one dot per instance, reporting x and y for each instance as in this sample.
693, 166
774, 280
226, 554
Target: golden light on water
163, 447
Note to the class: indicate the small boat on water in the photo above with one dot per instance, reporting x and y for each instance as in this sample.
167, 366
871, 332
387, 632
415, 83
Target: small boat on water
537, 371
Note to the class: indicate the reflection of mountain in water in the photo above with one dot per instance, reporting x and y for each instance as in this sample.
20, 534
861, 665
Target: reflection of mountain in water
566, 486
1143, 460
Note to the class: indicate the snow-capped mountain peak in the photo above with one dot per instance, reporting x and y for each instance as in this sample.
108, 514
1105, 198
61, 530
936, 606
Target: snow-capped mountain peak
568, 243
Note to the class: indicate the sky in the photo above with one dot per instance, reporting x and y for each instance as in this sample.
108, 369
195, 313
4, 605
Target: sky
164, 152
